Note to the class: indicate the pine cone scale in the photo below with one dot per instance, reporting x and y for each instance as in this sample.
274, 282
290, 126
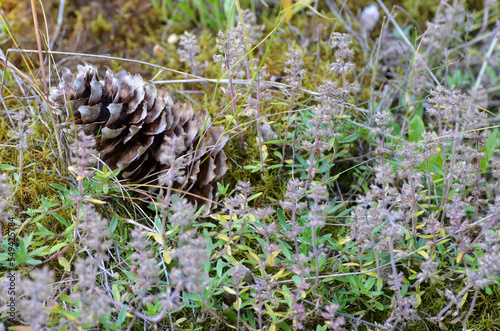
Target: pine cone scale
89, 114
136, 100
115, 110
158, 126
139, 116
150, 95
95, 91
136, 166
220, 166
108, 133
105, 149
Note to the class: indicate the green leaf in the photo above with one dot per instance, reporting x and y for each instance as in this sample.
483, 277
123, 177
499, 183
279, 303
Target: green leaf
210, 244
274, 166
198, 213
219, 267
369, 283
4, 256
379, 306
47, 204
43, 230
275, 142
56, 247
281, 218
286, 252
437, 169
204, 225
380, 284
60, 219
63, 262
59, 187
66, 298
113, 225
348, 139
254, 168
283, 326
7, 167
33, 262
417, 127
491, 144
302, 161
39, 251
229, 12
256, 195
122, 315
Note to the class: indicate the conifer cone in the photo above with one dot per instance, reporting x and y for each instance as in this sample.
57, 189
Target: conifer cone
141, 131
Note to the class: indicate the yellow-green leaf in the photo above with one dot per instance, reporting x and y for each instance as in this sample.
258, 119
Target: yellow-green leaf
229, 290
368, 263
343, 241
427, 236
464, 299
168, 233
279, 274
237, 304
418, 213
271, 311
265, 153
167, 255
423, 253
251, 217
223, 237
96, 201
157, 237
181, 320
63, 262
254, 256
421, 225
272, 256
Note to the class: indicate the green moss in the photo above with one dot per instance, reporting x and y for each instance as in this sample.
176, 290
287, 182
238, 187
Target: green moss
100, 26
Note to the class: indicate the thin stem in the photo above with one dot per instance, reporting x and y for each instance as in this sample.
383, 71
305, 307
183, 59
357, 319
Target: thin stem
167, 201
295, 230
259, 134
394, 269
315, 245
292, 97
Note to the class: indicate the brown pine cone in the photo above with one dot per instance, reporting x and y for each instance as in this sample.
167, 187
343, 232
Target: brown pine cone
141, 131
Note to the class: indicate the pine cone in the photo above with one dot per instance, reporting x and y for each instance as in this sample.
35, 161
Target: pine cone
141, 131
